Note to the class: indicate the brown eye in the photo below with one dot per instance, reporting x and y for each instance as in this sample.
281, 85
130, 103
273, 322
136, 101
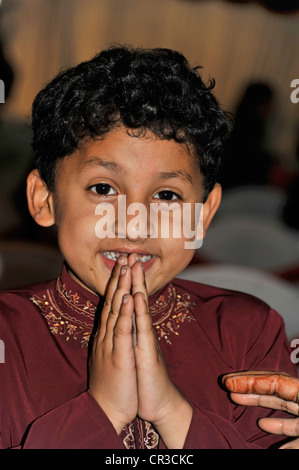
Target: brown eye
167, 195
103, 189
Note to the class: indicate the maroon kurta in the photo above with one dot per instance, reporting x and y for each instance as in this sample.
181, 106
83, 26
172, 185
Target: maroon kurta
204, 332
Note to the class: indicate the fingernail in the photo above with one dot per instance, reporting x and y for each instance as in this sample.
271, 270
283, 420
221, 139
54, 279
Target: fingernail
137, 258
125, 299
121, 260
123, 270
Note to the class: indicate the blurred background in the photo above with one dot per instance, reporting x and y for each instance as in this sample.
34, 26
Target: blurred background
251, 48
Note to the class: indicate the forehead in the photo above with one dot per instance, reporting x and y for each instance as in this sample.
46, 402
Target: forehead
147, 144
124, 154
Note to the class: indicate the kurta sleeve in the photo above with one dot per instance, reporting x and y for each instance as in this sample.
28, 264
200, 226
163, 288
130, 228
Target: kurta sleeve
265, 348
210, 431
45, 402
79, 423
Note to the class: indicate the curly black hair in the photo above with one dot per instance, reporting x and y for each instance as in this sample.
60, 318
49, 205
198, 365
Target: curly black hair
141, 89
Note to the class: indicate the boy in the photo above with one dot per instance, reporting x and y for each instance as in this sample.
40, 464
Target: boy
139, 124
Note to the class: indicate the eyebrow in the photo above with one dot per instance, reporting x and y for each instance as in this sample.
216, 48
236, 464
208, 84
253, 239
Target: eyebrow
177, 174
109, 165
96, 161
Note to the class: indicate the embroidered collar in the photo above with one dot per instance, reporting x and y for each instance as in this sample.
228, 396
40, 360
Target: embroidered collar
169, 311
70, 309
76, 297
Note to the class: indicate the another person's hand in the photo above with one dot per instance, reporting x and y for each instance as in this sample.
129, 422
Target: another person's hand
275, 390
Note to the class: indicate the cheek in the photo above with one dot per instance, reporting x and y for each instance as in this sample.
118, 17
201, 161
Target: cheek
173, 259
182, 226
175, 255
177, 249
76, 231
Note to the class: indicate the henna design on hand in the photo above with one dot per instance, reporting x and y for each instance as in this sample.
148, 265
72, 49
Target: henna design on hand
277, 384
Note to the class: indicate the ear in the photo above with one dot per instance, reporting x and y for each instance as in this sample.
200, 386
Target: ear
40, 200
210, 207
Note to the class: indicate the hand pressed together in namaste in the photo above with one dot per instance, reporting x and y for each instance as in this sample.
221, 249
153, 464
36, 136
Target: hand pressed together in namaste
128, 376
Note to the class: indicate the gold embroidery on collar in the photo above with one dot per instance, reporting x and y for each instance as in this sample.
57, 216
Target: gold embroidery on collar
75, 327
172, 308
73, 300
62, 323
178, 309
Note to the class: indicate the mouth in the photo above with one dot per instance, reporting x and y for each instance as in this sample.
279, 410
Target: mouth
110, 258
114, 255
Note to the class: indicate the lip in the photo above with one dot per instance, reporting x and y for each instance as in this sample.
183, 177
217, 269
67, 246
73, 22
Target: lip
129, 251
109, 263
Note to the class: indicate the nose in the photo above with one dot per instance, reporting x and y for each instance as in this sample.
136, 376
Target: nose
132, 220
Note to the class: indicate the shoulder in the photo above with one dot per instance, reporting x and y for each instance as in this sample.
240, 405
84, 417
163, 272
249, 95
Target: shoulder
229, 305
17, 305
205, 293
240, 327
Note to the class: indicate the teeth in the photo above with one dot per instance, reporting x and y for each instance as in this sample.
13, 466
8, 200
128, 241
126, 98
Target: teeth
145, 258
113, 255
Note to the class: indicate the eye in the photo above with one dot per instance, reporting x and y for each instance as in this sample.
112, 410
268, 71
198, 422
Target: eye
167, 195
103, 189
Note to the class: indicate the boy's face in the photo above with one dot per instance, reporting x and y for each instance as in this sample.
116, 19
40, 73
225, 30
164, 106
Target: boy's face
145, 170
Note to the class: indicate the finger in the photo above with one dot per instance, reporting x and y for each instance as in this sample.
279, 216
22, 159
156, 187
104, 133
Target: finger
146, 338
132, 259
291, 445
122, 334
271, 383
265, 401
251, 373
138, 280
123, 288
143, 318
287, 427
243, 375
110, 291
139, 285
113, 281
